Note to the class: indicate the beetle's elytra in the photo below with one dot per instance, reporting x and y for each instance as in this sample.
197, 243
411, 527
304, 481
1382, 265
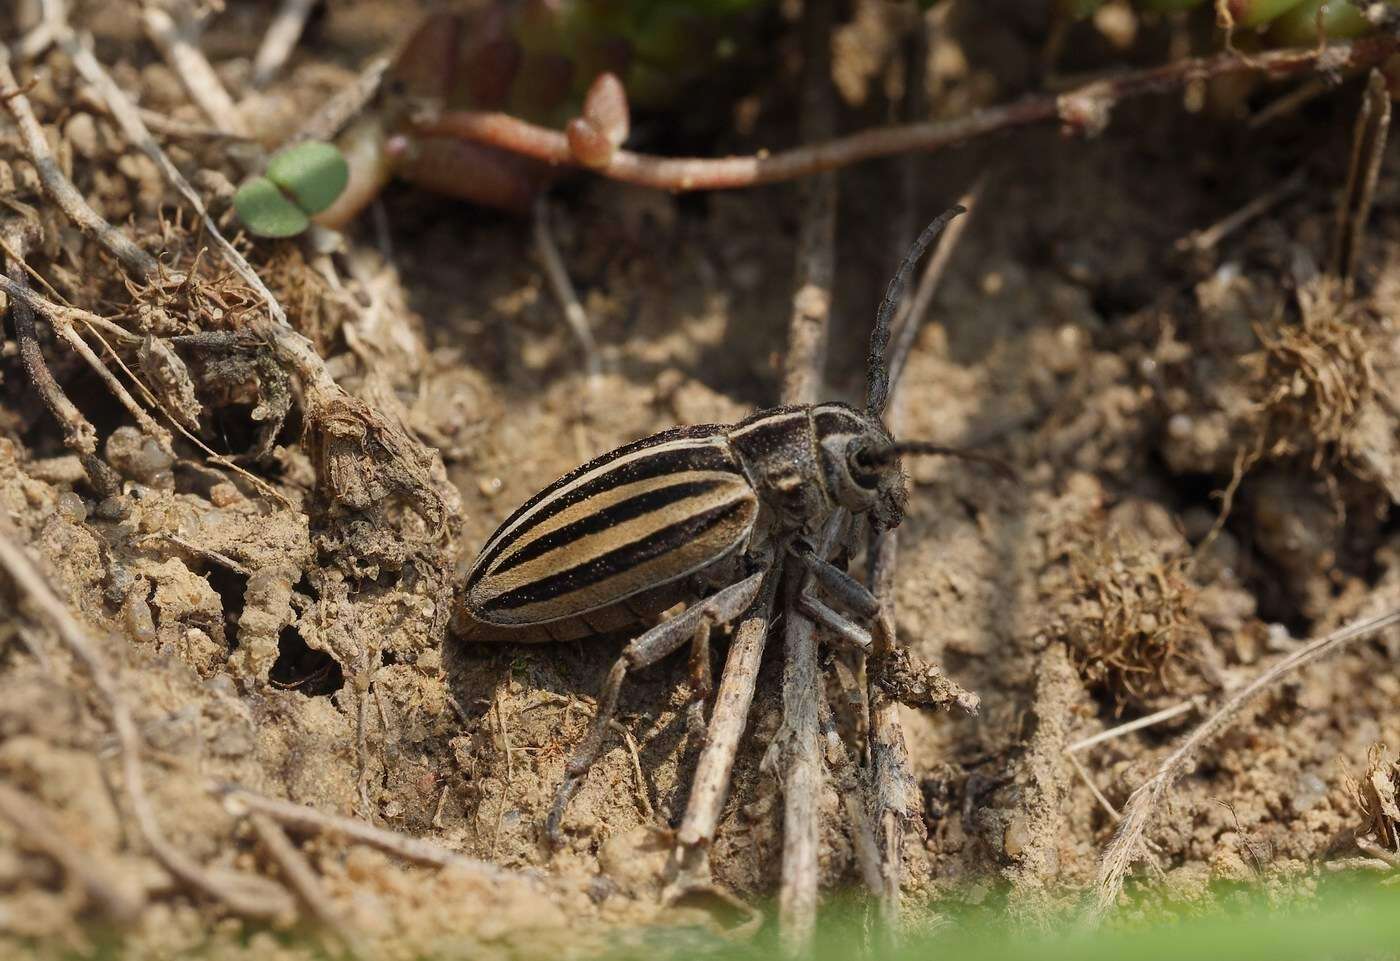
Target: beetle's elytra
572, 561
701, 513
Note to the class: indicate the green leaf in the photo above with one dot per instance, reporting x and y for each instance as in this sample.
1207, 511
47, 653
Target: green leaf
266, 211
1078, 9
312, 173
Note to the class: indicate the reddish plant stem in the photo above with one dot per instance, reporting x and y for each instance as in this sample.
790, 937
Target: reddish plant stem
1084, 109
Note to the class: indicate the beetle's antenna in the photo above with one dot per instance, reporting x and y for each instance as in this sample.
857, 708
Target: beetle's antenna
924, 447
877, 372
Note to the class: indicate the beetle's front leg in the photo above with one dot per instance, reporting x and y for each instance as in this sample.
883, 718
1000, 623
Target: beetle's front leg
663, 639
849, 593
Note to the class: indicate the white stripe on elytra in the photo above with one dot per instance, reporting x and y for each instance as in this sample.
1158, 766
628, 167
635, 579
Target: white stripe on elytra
681, 443
597, 545
604, 500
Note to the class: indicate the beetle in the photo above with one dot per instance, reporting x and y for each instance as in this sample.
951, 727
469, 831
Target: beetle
699, 513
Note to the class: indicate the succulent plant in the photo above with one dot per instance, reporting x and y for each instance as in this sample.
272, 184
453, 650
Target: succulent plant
299, 182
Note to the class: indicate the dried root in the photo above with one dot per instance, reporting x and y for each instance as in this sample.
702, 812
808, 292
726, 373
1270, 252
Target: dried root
1375, 797
1315, 377
1129, 621
914, 682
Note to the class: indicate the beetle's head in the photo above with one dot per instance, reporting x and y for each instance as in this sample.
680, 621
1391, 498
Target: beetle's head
863, 465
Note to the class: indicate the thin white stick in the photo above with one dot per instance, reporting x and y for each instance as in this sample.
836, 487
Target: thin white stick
1157, 717
305, 819
911, 319
148, 424
1088, 780
280, 39
730, 717
177, 44
1122, 850
565, 295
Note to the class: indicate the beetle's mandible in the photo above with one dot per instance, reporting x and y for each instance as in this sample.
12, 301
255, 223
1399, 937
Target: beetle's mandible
694, 513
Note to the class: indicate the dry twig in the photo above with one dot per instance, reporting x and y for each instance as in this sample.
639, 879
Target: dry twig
36, 36
303, 881
79, 435
345, 106
1137, 724
280, 39
118, 898
1123, 849
911, 318
177, 43
563, 288
1207, 237
247, 895
803, 772
730, 717
148, 425
893, 782
59, 188
300, 818
1085, 109
1367, 151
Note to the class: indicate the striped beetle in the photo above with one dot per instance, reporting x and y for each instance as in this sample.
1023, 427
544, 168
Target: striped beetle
694, 513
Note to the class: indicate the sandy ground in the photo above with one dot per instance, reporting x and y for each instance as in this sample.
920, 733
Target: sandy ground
292, 646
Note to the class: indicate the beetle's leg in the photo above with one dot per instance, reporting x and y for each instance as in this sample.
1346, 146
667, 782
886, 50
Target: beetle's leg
701, 677
846, 630
849, 593
663, 639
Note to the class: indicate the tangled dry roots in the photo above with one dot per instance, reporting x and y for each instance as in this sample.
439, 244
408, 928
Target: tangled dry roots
1129, 623
1375, 796
1316, 376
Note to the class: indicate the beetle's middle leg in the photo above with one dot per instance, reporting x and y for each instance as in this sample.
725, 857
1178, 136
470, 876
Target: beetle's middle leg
663, 639
850, 594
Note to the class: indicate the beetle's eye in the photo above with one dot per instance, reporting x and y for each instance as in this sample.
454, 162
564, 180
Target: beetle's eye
864, 462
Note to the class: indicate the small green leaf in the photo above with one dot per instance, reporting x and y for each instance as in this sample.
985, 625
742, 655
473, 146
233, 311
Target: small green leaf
312, 173
1251, 13
1078, 9
1298, 27
266, 211
1168, 6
